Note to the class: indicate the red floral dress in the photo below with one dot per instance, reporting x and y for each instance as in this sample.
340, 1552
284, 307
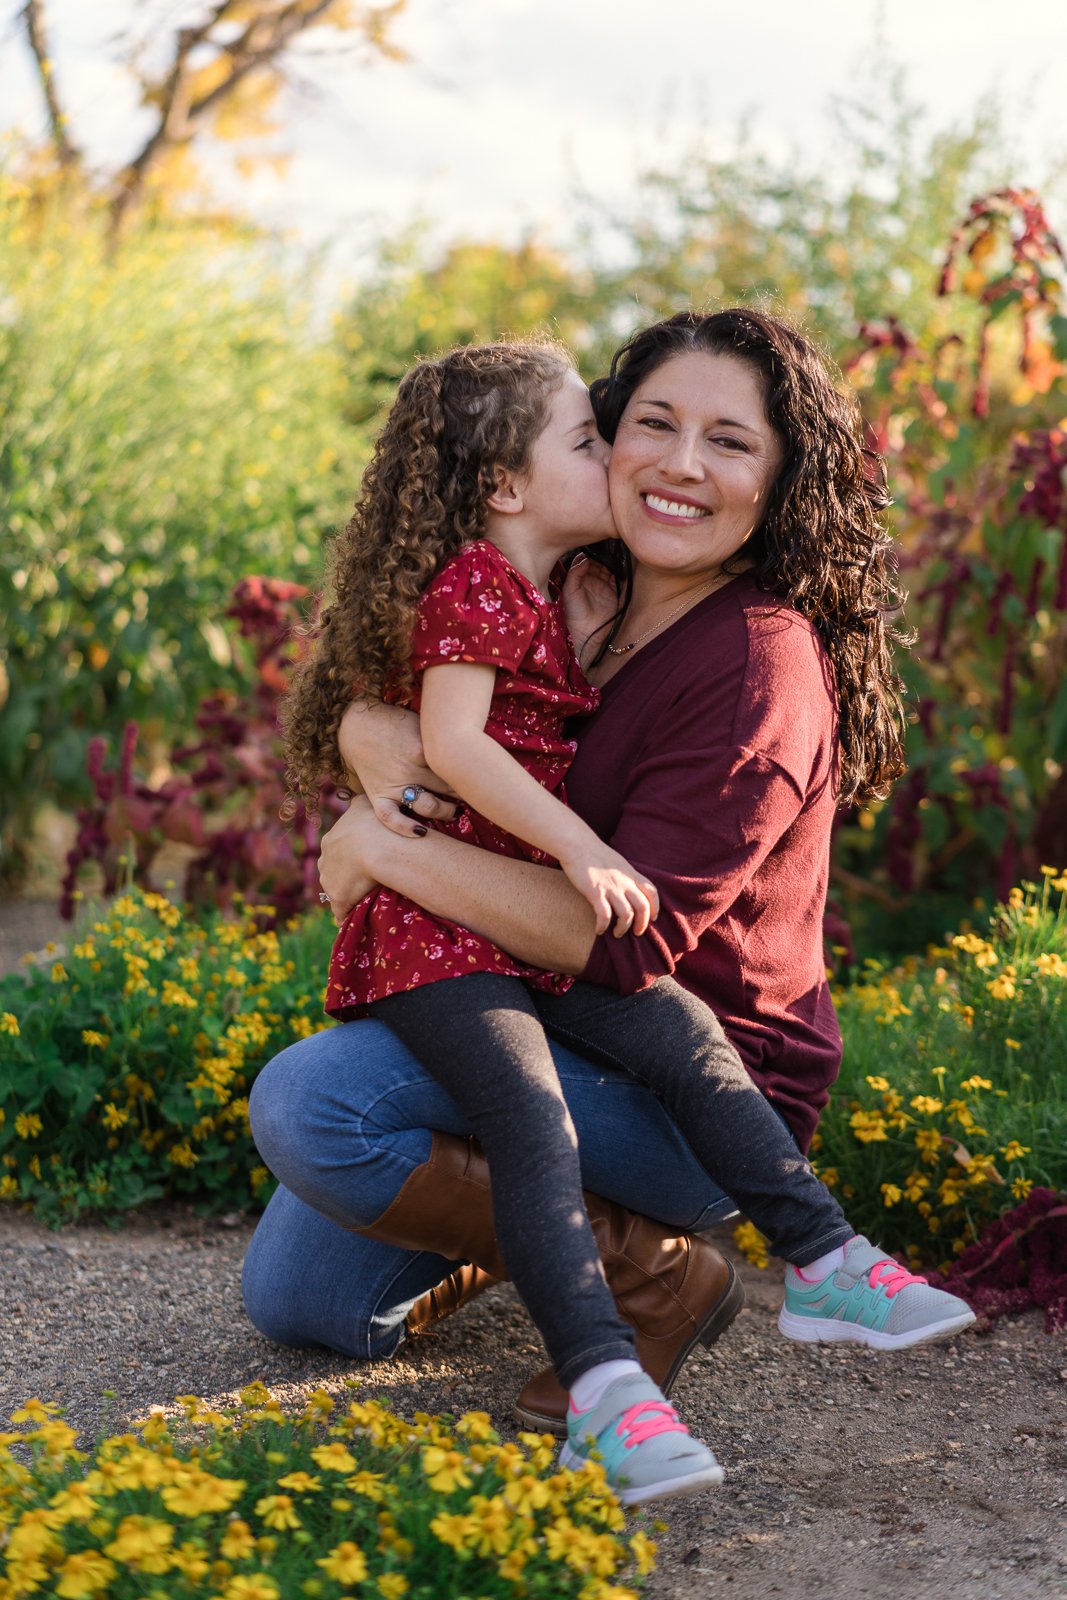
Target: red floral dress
478, 608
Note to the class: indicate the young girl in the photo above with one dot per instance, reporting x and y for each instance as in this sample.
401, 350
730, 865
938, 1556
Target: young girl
488, 471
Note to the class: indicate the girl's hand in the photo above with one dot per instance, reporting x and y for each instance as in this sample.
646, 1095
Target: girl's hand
615, 890
590, 599
347, 855
382, 745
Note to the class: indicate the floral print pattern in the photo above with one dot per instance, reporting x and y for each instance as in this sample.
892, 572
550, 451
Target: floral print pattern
478, 608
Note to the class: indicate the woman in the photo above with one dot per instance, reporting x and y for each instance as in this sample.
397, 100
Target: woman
747, 691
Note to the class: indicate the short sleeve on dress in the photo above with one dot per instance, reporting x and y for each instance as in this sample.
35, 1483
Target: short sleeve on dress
478, 608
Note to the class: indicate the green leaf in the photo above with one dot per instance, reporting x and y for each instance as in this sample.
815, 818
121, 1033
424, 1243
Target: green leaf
1057, 725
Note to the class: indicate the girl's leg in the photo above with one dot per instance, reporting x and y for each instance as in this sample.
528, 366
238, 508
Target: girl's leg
343, 1119
675, 1044
480, 1038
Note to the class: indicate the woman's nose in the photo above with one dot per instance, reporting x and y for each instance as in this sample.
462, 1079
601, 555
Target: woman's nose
681, 456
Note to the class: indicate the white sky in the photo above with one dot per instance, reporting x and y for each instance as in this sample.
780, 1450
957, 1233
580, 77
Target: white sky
507, 104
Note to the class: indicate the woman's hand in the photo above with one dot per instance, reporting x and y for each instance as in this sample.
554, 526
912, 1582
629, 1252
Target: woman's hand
616, 891
382, 745
590, 600
347, 855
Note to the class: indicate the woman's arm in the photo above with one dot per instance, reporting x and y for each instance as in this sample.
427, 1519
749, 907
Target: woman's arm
528, 910
382, 746
456, 700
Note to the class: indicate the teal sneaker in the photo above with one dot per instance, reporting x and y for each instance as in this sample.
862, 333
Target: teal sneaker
871, 1299
646, 1451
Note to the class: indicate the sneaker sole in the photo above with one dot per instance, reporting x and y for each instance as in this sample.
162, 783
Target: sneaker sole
828, 1330
669, 1489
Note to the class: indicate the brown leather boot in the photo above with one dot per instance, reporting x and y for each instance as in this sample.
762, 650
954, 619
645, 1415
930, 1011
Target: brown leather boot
445, 1205
466, 1283
675, 1291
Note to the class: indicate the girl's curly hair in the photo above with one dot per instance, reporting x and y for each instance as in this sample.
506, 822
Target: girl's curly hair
457, 422
822, 545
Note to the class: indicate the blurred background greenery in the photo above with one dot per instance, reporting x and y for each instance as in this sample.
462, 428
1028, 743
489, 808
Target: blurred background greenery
185, 403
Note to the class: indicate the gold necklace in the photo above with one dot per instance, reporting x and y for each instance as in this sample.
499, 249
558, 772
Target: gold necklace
624, 649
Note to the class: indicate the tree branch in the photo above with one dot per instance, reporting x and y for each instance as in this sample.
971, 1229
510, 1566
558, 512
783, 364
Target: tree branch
67, 152
264, 39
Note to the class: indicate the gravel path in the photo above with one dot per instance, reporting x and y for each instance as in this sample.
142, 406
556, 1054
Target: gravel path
933, 1475
936, 1473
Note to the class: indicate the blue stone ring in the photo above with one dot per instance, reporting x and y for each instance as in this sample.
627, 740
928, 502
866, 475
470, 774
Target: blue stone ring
411, 794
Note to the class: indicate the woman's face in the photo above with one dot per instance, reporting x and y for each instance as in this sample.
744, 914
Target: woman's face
693, 462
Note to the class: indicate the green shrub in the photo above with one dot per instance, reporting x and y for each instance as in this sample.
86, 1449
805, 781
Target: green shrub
951, 1103
169, 423
125, 1066
252, 1504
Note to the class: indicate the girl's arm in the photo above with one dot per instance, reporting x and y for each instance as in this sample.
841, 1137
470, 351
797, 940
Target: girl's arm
528, 910
456, 698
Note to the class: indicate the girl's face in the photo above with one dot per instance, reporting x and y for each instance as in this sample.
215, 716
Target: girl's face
565, 488
692, 465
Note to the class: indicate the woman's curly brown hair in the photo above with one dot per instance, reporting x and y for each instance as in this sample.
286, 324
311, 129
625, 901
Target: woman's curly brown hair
822, 545
457, 422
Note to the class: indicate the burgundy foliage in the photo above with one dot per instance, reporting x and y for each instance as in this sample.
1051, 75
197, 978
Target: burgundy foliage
223, 797
1020, 1261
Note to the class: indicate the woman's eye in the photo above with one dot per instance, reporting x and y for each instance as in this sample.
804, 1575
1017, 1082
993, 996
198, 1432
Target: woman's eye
731, 444
656, 423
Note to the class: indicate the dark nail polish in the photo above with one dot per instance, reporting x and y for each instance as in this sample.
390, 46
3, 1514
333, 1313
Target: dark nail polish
420, 830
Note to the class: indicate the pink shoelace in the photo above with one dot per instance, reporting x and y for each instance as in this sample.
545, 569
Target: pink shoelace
892, 1277
647, 1419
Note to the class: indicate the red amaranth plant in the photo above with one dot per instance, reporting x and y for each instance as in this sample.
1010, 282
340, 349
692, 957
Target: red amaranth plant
970, 422
223, 797
1019, 1262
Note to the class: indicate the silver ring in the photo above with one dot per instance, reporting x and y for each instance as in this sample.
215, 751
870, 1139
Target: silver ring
324, 897
411, 794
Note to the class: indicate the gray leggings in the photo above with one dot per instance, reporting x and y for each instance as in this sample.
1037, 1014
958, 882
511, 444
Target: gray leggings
482, 1038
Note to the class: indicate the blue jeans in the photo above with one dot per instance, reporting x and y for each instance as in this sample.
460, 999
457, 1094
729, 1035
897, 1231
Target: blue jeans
342, 1119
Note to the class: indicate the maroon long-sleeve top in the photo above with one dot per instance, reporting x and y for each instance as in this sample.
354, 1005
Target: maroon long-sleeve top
712, 766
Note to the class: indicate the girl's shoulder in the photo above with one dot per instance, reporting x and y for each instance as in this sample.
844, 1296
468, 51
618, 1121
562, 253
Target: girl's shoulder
480, 574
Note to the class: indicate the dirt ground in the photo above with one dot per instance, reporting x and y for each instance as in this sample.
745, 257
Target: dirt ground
937, 1473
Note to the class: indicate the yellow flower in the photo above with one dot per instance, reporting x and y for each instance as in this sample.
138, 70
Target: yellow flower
868, 1126
174, 995
299, 1482
183, 1155
8, 1186
445, 1469
928, 1141
59, 973
1014, 1151
197, 1491
453, 1530
392, 1585
969, 1085
238, 1541
881, 1084
1021, 1187
926, 1105
259, 1587
28, 1124
1051, 965
9, 1023
891, 1194
526, 1494
334, 1457
345, 1563
142, 1543
277, 1511
914, 1185
512, 1565
95, 1041
751, 1243
368, 1484
35, 1410
644, 1553
112, 1117
84, 1574
85, 951
1002, 987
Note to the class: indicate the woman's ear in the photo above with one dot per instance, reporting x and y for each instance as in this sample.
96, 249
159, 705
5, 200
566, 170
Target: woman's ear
506, 498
